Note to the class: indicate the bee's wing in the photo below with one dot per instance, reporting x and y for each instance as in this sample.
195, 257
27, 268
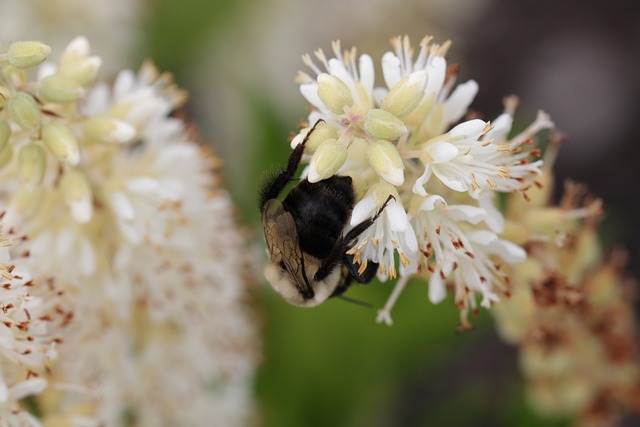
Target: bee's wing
282, 240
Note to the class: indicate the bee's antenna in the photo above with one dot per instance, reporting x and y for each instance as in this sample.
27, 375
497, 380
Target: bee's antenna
355, 301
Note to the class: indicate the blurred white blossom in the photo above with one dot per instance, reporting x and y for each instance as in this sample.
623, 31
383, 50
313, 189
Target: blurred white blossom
32, 314
123, 209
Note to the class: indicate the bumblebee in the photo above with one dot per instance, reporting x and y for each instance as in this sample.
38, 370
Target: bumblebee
307, 235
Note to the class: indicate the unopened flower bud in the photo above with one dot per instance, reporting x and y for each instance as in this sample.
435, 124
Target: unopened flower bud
334, 93
77, 193
27, 54
5, 155
60, 89
383, 125
108, 130
78, 47
327, 159
405, 96
359, 185
321, 133
550, 221
381, 192
5, 133
31, 164
24, 110
587, 253
514, 314
60, 140
82, 70
386, 161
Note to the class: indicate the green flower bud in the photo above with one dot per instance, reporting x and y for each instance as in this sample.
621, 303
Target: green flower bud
83, 70
108, 130
28, 200
405, 96
322, 132
327, 159
59, 139
383, 125
5, 155
27, 54
5, 133
386, 161
31, 165
60, 89
24, 110
334, 93
76, 191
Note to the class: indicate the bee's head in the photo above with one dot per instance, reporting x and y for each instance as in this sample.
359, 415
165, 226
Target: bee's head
289, 271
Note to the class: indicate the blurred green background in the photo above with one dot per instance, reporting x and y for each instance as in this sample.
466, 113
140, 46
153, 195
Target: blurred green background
333, 365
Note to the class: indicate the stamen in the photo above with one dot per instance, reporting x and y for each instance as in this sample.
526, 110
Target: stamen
384, 315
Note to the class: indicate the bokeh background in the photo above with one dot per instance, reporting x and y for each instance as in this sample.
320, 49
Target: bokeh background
333, 365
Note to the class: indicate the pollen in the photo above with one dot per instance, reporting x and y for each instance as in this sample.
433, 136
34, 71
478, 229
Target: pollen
362, 268
404, 259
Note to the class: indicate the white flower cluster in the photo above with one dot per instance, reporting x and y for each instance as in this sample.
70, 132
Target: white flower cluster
30, 317
410, 139
121, 206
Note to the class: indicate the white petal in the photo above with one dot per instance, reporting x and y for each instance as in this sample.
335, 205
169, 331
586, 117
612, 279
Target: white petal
468, 129
142, 185
459, 101
508, 251
488, 298
5, 257
122, 131
391, 69
397, 216
87, 258
410, 241
122, 206
437, 70
430, 202
310, 92
81, 210
363, 210
337, 69
64, 242
418, 186
125, 82
453, 183
442, 151
4, 391
468, 213
28, 387
437, 288
379, 93
494, 218
46, 69
78, 46
367, 73
483, 237
501, 128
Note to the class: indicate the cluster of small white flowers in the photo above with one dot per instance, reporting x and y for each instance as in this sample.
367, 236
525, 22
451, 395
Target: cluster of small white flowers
411, 140
121, 206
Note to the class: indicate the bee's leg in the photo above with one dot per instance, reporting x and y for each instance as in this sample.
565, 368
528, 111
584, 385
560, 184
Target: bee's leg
274, 185
346, 242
